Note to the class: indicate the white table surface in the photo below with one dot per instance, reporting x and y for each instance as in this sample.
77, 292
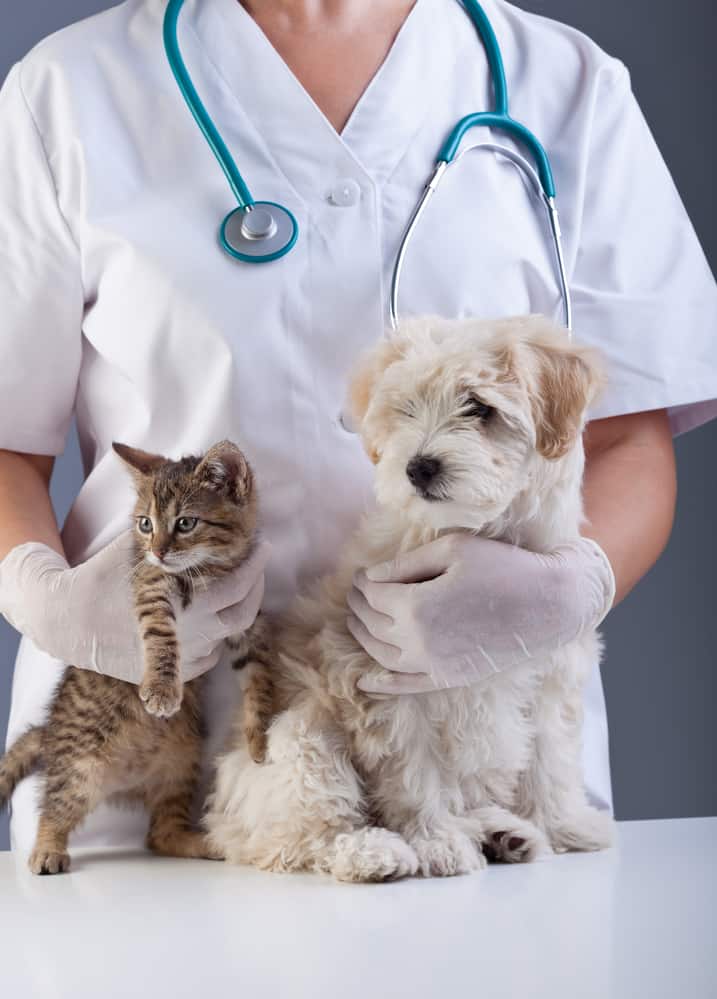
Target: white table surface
636, 921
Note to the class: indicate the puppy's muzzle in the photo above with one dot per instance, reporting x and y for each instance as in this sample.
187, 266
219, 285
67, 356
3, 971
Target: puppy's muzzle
423, 473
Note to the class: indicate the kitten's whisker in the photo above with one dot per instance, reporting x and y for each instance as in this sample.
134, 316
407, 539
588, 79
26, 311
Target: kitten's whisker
200, 578
190, 574
132, 572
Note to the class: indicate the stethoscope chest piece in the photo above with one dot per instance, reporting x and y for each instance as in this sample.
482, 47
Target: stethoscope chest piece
259, 232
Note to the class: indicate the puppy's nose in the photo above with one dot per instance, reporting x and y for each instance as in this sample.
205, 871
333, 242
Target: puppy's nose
421, 471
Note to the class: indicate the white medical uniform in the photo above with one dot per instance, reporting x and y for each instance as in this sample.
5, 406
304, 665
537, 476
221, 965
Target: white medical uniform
119, 306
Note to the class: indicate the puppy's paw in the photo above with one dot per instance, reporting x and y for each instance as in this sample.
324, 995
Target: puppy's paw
587, 830
372, 854
518, 842
446, 854
44, 861
161, 696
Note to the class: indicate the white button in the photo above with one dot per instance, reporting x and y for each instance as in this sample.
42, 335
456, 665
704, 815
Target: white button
345, 193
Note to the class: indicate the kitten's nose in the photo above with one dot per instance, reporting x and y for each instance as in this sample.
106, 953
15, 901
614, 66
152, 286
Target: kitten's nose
421, 471
159, 553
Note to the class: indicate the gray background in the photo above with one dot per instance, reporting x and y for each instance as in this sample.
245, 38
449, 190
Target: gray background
659, 676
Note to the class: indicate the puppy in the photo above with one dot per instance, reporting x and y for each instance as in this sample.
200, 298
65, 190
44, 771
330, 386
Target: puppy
376, 787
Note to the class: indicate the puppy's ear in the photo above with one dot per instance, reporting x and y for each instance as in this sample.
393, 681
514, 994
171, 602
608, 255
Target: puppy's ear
140, 463
366, 374
225, 469
567, 380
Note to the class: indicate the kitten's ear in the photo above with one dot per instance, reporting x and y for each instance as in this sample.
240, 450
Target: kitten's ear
140, 462
568, 379
366, 374
225, 469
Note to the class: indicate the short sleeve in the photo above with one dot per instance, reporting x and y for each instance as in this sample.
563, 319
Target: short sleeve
40, 289
643, 292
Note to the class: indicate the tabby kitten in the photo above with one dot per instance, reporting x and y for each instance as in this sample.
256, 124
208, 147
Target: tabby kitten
195, 521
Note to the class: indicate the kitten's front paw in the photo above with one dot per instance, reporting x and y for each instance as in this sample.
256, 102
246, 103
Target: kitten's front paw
161, 696
44, 861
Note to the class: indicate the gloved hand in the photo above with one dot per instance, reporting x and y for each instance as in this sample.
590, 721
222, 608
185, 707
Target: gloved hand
85, 615
464, 607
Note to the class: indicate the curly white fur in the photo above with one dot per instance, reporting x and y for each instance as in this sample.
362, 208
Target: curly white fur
377, 787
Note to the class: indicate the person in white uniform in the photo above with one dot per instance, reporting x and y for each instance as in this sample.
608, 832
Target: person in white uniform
120, 308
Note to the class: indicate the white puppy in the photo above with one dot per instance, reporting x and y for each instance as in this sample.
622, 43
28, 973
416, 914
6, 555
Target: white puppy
375, 787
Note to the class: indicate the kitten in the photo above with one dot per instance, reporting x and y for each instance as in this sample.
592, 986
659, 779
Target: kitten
103, 741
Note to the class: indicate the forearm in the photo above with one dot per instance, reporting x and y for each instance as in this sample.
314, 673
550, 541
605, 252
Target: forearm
629, 492
26, 512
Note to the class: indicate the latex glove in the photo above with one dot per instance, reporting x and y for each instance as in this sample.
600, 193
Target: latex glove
462, 608
85, 615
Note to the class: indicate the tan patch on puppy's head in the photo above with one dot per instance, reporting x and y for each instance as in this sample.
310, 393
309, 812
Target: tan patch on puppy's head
365, 378
569, 381
563, 380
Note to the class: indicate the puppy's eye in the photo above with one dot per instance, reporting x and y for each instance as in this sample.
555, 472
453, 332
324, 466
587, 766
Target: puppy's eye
475, 409
144, 525
186, 524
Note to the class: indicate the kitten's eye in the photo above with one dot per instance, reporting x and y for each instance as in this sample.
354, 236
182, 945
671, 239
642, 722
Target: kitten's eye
144, 525
406, 410
475, 409
186, 524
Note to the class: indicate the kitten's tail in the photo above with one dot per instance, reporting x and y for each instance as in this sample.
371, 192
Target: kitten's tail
23, 757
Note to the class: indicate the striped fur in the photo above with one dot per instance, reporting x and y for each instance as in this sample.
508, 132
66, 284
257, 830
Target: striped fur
255, 654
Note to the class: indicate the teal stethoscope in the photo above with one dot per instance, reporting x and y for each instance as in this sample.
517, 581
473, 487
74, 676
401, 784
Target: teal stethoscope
260, 231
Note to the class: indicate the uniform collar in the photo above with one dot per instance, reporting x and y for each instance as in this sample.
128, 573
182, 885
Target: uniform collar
295, 133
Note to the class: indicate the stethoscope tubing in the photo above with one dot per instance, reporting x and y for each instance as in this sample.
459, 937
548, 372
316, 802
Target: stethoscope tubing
499, 118
536, 184
194, 103
542, 180
492, 50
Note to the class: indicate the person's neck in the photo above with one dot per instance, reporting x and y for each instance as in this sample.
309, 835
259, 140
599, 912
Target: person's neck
334, 48
305, 14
